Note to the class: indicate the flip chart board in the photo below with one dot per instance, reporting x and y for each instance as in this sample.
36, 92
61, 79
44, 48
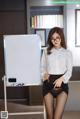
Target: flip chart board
22, 59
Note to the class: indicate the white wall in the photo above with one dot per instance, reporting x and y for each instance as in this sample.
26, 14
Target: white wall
70, 16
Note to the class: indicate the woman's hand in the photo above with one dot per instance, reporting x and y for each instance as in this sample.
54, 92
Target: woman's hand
57, 83
45, 76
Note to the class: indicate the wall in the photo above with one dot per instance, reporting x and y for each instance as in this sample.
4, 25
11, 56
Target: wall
70, 16
12, 17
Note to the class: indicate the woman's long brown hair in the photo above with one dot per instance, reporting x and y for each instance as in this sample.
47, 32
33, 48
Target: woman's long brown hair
61, 34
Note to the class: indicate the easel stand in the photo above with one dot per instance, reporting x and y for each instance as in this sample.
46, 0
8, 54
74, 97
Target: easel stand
4, 114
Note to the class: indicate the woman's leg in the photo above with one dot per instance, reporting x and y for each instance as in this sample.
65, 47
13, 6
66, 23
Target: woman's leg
61, 100
49, 105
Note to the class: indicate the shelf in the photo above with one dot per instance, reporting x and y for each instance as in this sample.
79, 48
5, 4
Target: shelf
46, 21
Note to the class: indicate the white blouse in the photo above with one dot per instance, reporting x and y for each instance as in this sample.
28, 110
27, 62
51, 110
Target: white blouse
58, 62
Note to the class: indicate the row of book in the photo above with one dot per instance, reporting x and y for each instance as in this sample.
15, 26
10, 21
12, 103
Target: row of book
46, 21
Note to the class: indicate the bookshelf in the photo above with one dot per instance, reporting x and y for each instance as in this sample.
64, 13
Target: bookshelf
46, 21
43, 18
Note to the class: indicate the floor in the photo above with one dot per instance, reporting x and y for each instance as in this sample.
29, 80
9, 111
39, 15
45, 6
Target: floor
18, 108
67, 115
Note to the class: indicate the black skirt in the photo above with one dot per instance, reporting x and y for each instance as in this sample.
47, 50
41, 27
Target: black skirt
48, 86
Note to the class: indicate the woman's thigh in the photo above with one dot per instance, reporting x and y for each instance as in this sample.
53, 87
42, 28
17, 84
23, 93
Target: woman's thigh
61, 100
49, 104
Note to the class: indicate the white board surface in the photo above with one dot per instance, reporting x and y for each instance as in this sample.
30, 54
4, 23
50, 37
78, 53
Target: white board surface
22, 59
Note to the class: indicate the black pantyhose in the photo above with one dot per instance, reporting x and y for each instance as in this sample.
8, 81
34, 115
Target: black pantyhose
55, 112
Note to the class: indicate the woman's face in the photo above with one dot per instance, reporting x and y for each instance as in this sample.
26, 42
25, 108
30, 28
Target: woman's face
56, 40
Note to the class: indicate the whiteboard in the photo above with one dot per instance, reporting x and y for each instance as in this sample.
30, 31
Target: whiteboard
22, 59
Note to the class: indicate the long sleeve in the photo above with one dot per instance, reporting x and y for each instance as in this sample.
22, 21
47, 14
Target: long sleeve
43, 64
69, 66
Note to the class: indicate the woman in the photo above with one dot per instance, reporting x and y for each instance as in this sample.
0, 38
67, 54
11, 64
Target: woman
56, 65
